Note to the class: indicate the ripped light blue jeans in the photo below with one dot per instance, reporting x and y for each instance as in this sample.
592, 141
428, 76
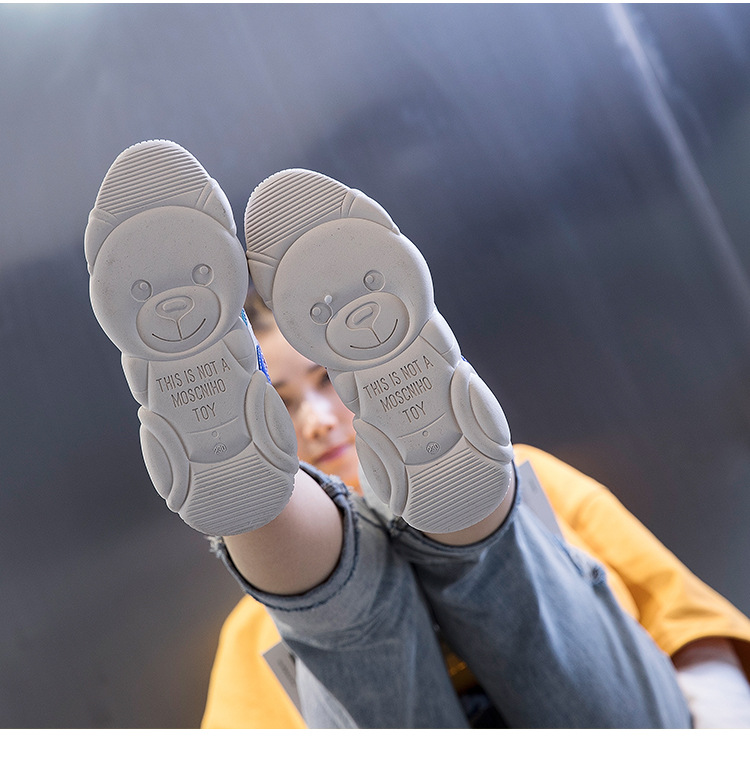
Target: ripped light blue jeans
532, 617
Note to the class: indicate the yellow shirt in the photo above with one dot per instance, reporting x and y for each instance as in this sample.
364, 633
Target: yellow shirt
651, 584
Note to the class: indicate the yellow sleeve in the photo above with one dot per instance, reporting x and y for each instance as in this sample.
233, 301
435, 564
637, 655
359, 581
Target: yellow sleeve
672, 604
243, 692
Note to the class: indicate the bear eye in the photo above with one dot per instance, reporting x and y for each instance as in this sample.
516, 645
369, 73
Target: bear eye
320, 313
203, 274
374, 280
141, 290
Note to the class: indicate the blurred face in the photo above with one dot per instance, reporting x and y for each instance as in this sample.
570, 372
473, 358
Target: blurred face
323, 424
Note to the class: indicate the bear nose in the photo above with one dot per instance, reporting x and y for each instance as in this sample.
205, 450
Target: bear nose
363, 316
174, 308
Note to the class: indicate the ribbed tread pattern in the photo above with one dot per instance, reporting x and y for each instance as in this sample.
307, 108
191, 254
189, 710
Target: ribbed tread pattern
147, 173
287, 202
236, 496
461, 486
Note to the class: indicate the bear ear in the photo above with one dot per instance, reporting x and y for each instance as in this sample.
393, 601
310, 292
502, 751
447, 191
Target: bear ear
216, 204
364, 207
262, 275
97, 230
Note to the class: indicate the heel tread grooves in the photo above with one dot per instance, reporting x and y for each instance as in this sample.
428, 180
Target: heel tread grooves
452, 478
245, 488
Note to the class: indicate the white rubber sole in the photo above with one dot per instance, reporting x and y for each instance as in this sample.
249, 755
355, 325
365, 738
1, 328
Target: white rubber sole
168, 281
350, 292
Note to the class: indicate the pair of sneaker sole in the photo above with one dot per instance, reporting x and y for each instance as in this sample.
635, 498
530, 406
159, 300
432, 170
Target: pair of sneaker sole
168, 282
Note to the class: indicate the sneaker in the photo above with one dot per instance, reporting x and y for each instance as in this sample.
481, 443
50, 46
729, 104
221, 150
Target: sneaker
351, 293
168, 281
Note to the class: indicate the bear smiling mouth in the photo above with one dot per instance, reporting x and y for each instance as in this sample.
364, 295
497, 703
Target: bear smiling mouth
179, 330
380, 341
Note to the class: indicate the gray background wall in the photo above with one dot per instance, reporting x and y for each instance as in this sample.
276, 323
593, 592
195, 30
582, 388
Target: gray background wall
577, 177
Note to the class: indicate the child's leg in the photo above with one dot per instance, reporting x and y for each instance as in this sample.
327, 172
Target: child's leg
298, 549
540, 630
537, 624
365, 638
168, 280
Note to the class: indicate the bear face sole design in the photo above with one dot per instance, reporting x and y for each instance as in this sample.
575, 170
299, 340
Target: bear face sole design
168, 281
350, 292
